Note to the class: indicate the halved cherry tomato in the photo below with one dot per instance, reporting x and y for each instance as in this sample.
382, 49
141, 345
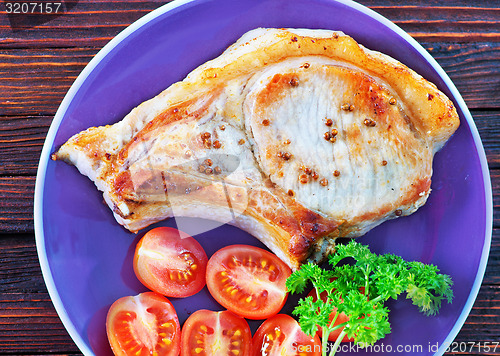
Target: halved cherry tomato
170, 262
210, 333
341, 318
281, 335
145, 324
248, 281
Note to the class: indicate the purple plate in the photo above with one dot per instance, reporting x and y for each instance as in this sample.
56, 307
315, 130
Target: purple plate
86, 257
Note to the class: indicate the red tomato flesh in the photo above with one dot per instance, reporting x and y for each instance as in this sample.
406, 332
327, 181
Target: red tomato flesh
210, 333
341, 318
145, 324
170, 262
248, 281
281, 335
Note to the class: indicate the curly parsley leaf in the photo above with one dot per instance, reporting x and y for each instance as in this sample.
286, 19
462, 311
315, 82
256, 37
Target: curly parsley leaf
359, 284
313, 314
427, 288
309, 273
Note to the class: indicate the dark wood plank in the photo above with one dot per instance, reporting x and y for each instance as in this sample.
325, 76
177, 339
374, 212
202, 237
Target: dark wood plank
35, 76
21, 141
86, 24
434, 3
34, 81
16, 204
488, 125
482, 326
28, 320
22, 138
19, 266
473, 67
425, 20
492, 273
444, 21
29, 323
495, 185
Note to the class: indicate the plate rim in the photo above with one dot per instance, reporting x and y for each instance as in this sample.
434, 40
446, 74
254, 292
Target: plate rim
45, 157
129, 30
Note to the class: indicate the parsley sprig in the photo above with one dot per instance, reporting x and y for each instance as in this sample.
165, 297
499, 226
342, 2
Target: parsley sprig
360, 289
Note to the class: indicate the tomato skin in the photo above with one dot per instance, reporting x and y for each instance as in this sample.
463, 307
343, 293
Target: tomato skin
210, 333
143, 324
281, 335
170, 262
248, 281
341, 318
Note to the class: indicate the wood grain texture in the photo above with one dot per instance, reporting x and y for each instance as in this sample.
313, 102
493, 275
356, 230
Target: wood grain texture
473, 67
21, 142
87, 24
424, 20
22, 138
20, 151
16, 204
445, 21
30, 324
40, 57
34, 81
19, 267
35, 77
488, 125
492, 273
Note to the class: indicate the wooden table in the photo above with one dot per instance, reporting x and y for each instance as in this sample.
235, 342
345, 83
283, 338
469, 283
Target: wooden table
41, 56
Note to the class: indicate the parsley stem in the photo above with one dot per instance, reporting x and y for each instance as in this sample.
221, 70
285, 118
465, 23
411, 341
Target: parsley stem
378, 299
367, 279
324, 341
337, 343
334, 319
381, 276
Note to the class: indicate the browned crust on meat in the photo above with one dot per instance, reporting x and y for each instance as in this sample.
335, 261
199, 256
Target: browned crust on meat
430, 111
419, 187
302, 226
294, 228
